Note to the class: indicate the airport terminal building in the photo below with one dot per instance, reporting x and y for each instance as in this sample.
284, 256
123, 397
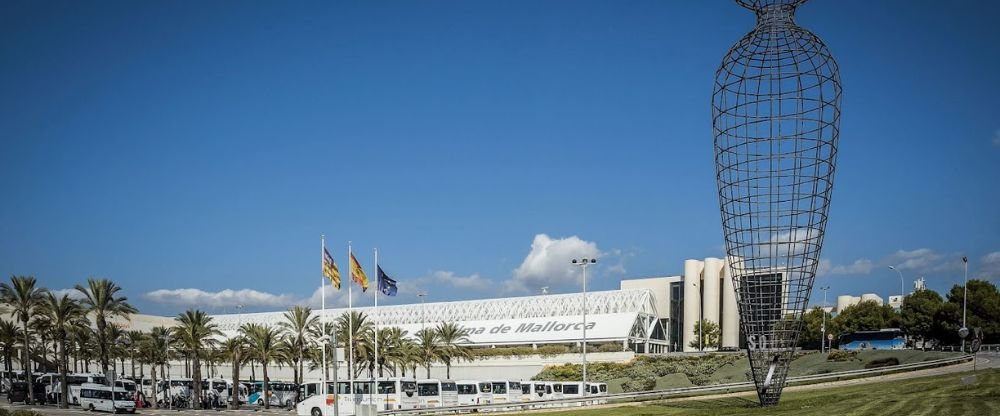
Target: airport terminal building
649, 315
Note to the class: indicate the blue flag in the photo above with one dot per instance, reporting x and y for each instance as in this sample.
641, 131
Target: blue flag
386, 284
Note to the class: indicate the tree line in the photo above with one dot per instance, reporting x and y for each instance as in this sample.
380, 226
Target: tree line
66, 333
926, 317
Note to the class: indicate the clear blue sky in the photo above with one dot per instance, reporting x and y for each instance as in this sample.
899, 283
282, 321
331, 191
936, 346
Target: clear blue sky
206, 145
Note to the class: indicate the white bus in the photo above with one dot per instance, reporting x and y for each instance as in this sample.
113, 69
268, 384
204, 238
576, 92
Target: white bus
99, 397
471, 392
394, 393
553, 390
429, 393
449, 393
506, 391
532, 391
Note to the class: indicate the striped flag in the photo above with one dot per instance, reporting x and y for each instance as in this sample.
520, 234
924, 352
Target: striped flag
358, 274
330, 269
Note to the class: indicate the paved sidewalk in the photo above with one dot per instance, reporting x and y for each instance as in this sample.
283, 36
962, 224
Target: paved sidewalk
53, 410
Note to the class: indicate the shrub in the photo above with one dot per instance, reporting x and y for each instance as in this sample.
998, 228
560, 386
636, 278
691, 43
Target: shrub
612, 347
840, 356
633, 385
882, 362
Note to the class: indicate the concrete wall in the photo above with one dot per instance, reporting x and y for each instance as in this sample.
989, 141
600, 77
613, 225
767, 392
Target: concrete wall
495, 367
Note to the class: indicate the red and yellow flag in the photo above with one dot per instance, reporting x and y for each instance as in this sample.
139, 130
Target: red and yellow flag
358, 274
330, 269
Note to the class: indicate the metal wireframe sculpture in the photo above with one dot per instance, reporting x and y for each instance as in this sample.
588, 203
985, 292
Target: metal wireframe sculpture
776, 116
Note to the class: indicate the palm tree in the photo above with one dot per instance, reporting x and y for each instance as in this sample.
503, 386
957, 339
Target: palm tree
102, 300
85, 345
9, 337
194, 332
235, 351
134, 339
154, 351
450, 337
64, 314
299, 326
360, 329
391, 352
320, 334
22, 297
428, 349
40, 330
264, 347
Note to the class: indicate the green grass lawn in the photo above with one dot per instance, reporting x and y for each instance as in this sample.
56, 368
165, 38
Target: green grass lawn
938, 395
807, 364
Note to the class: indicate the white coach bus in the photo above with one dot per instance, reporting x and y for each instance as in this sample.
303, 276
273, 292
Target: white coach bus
100, 397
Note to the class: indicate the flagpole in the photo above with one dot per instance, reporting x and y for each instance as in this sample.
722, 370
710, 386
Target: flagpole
350, 317
378, 288
322, 316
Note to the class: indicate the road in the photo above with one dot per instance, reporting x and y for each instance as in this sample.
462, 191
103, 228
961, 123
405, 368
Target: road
52, 410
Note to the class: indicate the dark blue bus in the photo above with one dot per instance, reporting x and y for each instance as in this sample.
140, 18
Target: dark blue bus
883, 339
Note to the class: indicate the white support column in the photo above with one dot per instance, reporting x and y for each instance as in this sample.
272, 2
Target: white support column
692, 302
712, 276
730, 312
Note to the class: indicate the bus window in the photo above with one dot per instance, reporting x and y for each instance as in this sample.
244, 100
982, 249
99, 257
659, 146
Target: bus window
448, 387
387, 387
604, 388
485, 387
499, 388
427, 389
525, 389
515, 386
571, 389
466, 389
558, 388
363, 387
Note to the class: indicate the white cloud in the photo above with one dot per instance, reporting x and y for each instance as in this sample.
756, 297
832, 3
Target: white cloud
925, 260
548, 263
227, 298
989, 266
860, 266
473, 281
921, 261
72, 293
794, 242
337, 298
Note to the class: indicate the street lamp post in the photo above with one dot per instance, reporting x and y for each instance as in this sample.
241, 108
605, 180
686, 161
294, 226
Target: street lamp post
423, 310
336, 384
902, 291
965, 297
822, 338
701, 317
584, 262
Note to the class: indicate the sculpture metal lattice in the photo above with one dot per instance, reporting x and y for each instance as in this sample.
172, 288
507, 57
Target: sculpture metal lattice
776, 115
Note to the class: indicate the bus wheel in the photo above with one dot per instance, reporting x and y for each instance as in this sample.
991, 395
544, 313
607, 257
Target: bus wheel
288, 403
316, 412
91, 408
